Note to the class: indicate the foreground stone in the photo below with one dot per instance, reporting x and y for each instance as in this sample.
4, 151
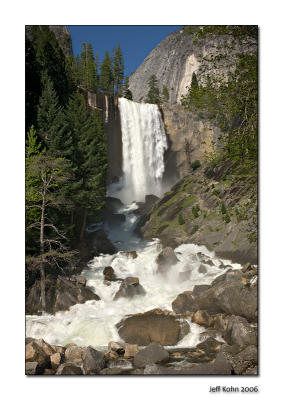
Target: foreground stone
34, 353
75, 354
184, 302
244, 361
240, 332
94, 361
33, 368
201, 317
152, 354
69, 369
152, 326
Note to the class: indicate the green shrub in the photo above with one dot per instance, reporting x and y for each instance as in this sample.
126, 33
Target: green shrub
181, 219
196, 164
226, 218
216, 192
223, 209
195, 229
195, 210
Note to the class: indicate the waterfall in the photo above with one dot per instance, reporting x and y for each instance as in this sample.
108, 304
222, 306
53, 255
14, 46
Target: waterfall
144, 143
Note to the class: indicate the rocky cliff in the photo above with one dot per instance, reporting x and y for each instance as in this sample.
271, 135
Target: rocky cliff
216, 207
180, 54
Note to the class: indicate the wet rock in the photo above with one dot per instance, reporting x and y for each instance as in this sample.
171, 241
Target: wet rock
240, 332
202, 269
209, 262
55, 360
81, 279
132, 254
69, 369
199, 289
114, 220
202, 318
210, 345
75, 354
229, 295
33, 368
47, 348
152, 326
244, 361
111, 355
152, 354
69, 294
165, 260
131, 350
34, 353
109, 274
118, 347
130, 287
185, 276
210, 333
220, 322
96, 243
184, 302
94, 361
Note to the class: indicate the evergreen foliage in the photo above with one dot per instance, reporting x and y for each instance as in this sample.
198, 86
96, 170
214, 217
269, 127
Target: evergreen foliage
106, 75
181, 219
153, 95
126, 91
118, 70
195, 164
165, 94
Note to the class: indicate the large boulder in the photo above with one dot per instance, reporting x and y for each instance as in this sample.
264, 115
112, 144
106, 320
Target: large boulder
152, 326
184, 302
130, 287
244, 361
202, 318
109, 274
96, 243
240, 332
165, 260
229, 293
152, 354
94, 361
69, 293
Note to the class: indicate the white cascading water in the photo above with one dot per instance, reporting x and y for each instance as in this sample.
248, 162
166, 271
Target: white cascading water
144, 143
93, 323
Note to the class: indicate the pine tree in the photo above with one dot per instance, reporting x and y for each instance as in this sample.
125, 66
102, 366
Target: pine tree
165, 94
52, 127
82, 66
118, 70
153, 95
106, 75
126, 91
92, 82
194, 83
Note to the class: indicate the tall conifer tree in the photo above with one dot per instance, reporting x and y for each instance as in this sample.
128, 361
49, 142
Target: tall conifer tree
118, 70
106, 75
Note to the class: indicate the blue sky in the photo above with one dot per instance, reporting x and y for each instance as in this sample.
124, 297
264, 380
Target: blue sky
136, 41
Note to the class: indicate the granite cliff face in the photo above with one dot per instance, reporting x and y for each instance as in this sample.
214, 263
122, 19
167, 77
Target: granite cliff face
180, 54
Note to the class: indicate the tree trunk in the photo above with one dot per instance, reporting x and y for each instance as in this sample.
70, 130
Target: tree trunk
42, 271
83, 226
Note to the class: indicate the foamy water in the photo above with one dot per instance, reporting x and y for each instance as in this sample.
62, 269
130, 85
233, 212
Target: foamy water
93, 323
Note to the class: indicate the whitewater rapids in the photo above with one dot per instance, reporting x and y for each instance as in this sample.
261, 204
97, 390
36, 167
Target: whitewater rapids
93, 323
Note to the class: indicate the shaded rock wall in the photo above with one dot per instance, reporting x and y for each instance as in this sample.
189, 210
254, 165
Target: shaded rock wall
183, 126
108, 107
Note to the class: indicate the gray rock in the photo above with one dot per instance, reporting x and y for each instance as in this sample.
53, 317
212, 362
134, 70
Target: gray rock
199, 289
75, 354
94, 361
33, 368
202, 318
130, 287
153, 353
202, 269
210, 345
69, 369
184, 302
165, 260
228, 294
240, 332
